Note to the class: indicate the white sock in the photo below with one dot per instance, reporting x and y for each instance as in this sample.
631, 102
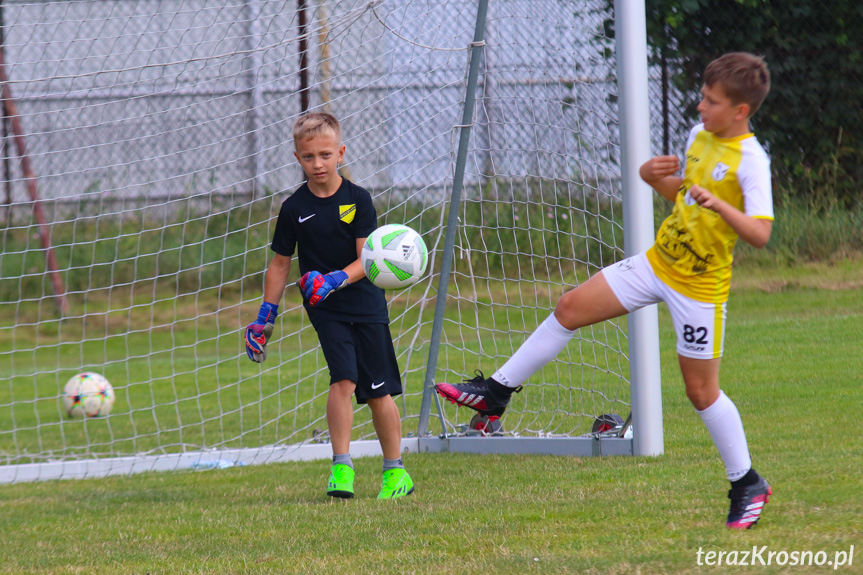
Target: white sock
723, 422
541, 347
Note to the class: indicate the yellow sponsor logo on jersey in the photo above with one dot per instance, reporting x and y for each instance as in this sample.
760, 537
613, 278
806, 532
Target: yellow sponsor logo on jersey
347, 213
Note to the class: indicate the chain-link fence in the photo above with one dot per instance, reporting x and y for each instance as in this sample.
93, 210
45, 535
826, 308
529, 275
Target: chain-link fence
148, 101
151, 100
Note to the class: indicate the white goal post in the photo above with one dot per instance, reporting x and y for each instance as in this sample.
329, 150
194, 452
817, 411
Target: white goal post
147, 153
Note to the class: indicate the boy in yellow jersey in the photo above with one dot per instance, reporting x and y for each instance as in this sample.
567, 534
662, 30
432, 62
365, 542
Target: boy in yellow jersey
724, 194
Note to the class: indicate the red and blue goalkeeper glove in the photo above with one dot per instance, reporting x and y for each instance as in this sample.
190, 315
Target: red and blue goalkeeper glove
258, 332
317, 287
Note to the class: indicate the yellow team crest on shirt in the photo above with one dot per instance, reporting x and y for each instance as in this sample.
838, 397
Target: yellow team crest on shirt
347, 213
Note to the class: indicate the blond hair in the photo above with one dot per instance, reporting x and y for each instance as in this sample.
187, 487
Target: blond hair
743, 76
317, 124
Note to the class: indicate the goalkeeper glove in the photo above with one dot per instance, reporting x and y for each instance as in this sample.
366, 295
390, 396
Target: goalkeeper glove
316, 287
306, 284
258, 332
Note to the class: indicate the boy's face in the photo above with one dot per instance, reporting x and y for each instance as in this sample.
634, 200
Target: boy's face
319, 156
719, 114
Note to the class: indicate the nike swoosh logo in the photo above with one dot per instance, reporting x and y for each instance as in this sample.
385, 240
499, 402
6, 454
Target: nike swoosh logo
378, 385
302, 219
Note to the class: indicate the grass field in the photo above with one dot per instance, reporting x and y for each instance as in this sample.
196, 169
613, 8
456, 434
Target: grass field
793, 366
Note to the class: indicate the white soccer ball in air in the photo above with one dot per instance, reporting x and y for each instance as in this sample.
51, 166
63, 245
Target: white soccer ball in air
88, 395
394, 256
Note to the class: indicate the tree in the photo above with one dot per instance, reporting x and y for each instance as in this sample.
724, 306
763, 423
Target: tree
812, 121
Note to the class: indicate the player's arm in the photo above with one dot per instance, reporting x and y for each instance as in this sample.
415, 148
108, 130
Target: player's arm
659, 174
258, 333
754, 231
355, 269
277, 278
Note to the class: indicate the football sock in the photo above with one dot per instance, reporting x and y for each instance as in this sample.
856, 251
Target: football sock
751, 478
393, 464
541, 347
343, 459
723, 422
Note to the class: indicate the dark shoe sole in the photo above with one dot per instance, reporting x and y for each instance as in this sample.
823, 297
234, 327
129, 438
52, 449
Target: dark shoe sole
341, 494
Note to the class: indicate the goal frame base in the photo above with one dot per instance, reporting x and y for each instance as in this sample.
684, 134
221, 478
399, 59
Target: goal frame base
572, 446
221, 458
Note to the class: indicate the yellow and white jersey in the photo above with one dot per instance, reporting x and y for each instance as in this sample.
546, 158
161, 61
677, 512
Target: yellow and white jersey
693, 249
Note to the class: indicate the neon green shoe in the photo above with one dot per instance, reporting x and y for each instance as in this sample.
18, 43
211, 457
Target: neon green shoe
396, 483
341, 483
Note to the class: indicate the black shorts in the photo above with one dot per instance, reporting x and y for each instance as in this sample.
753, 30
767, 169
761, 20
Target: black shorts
362, 353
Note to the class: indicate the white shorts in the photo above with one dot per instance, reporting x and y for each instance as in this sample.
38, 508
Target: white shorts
700, 326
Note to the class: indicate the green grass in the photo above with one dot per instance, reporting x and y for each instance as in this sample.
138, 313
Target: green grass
793, 366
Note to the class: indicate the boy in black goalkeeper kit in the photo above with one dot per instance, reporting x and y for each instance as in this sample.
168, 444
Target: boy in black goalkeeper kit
327, 220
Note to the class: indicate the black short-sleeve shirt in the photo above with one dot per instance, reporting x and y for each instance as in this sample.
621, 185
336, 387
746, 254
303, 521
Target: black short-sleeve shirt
325, 231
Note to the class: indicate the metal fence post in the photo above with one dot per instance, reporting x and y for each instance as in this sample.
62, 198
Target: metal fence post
256, 100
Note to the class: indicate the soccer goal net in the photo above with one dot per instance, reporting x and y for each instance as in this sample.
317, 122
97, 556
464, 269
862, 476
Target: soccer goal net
146, 151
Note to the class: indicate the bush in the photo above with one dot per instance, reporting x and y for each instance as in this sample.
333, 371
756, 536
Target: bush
811, 122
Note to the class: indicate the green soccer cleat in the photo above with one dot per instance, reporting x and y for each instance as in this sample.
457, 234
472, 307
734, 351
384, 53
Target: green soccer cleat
341, 483
396, 483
